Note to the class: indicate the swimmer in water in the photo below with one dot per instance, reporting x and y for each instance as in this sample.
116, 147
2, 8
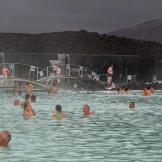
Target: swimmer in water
27, 99
125, 90
53, 89
118, 90
58, 114
16, 102
86, 111
146, 92
122, 90
28, 88
14, 89
5, 138
132, 105
152, 90
28, 111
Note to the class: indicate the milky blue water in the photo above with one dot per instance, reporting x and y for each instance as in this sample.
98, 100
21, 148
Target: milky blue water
114, 134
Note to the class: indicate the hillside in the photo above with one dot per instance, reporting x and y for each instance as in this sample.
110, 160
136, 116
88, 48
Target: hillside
81, 42
149, 30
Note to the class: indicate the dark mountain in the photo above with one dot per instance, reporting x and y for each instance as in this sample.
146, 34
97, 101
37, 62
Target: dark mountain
81, 42
149, 30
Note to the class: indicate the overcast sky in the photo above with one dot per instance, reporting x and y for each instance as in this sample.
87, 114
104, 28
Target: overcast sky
37, 16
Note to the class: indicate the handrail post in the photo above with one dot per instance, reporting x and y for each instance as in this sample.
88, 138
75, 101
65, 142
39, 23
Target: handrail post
37, 72
47, 71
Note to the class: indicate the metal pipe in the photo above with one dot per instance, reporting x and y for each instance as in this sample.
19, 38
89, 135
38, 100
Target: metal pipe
47, 71
37, 72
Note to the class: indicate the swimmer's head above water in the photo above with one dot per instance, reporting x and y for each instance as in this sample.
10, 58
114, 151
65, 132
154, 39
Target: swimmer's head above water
16, 102
58, 108
86, 110
59, 114
27, 99
5, 138
27, 96
131, 105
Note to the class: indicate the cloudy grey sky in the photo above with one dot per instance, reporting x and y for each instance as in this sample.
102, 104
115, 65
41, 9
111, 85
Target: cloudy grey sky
37, 16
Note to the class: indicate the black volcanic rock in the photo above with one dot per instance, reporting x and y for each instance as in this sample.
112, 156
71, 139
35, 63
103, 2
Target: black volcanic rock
81, 42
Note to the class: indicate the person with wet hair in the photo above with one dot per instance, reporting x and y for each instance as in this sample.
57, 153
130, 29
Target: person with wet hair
53, 89
86, 111
118, 90
146, 92
122, 90
28, 111
27, 99
16, 102
28, 88
58, 114
131, 105
5, 138
125, 90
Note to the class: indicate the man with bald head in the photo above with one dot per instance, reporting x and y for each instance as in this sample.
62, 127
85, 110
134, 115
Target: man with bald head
5, 138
